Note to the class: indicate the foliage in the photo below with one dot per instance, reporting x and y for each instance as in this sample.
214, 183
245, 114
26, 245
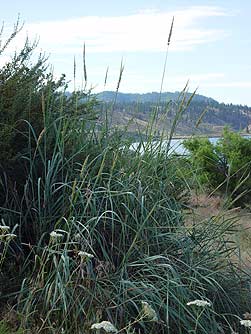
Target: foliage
225, 164
100, 229
205, 160
6, 329
121, 207
30, 99
29, 94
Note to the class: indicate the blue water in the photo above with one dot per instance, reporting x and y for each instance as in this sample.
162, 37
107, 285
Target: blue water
175, 145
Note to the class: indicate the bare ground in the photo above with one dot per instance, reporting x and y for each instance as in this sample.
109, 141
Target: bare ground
202, 207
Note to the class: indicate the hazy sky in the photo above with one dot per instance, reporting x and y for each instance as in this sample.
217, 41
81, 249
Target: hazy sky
210, 46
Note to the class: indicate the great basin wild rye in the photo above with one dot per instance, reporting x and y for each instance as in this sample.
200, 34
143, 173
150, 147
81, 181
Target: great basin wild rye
101, 229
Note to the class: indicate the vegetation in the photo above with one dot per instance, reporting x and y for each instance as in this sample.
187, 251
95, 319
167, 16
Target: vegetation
93, 236
225, 165
212, 115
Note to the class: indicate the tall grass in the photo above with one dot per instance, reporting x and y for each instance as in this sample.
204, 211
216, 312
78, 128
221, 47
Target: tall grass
101, 229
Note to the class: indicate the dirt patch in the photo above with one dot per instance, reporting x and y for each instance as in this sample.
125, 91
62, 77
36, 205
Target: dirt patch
203, 207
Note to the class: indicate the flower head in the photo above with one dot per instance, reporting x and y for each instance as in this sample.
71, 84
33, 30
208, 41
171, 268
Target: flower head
55, 235
149, 312
4, 229
10, 236
85, 255
200, 303
107, 326
246, 323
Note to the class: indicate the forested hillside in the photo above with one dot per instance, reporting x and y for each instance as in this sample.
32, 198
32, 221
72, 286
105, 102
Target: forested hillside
211, 115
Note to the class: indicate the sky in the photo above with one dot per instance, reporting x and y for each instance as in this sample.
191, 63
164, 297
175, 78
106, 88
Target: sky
210, 45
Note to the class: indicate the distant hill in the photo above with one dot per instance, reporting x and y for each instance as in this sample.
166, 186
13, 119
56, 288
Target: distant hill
153, 97
135, 110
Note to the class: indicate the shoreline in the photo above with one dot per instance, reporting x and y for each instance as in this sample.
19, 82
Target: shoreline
213, 135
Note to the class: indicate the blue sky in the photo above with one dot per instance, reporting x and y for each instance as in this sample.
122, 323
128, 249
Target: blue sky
210, 46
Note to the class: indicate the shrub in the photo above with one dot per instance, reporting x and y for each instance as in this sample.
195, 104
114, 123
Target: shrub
30, 100
224, 165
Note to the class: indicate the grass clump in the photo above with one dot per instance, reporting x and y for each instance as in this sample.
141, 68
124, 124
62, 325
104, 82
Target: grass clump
101, 242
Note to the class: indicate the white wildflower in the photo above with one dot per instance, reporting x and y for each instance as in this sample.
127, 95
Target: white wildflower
149, 311
246, 323
201, 303
10, 236
107, 326
55, 235
85, 255
4, 229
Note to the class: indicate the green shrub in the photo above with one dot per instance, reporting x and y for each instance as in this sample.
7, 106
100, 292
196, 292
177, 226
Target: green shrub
5, 328
224, 165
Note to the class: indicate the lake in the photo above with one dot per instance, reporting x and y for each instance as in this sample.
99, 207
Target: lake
176, 144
